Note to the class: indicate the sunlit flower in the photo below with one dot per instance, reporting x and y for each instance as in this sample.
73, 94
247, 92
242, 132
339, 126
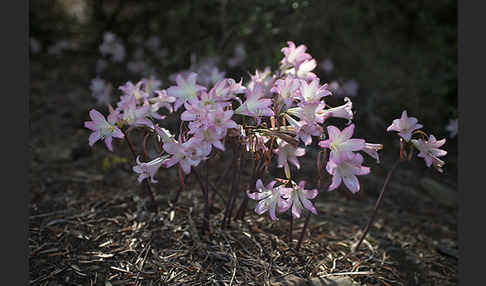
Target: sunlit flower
211, 135
309, 112
255, 105
103, 129
264, 80
226, 89
404, 126
345, 168
313, 92
304, 70
429, 150
221, 120
286, 89
187, 154
185, 90
344, 111
294, 55
340, 142
372, 150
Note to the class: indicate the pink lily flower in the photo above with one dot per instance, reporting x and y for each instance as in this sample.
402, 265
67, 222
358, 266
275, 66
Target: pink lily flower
255, 105
309, 112
340, 143
163, 99
372, 150
313, 92
304, 130
221, 120
304, 70
286, 89
269, 199
185, 90
136, 116
152, 112
194, 110
264, 79
226, 89
187, 154
103, 129
299, 198
294, 55
429, 150
345, 168
344, 111
405, 126
210, 103
288, 153
148, 170
212, 136
134, 90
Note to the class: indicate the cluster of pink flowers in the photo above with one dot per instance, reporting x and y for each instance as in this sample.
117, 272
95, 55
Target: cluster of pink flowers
427, 145
275, 114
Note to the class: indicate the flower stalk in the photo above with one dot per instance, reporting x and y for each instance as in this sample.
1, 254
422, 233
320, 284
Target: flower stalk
153, 205
377, 204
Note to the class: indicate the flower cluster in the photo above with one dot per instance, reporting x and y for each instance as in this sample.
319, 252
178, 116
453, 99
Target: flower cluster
279, 198
427, 146
272, 114
273, 117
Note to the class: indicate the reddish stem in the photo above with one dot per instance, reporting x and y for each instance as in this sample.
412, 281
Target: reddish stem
146, 183
320, 166
235, 188
144, 146
205, 226
229, 205
242, 209
377, 205
306, 223
291, 228
181, 183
